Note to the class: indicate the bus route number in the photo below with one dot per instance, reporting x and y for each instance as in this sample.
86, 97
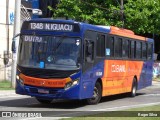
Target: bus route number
37, 26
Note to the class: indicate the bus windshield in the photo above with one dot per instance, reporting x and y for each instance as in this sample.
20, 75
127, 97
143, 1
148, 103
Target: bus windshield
49, 52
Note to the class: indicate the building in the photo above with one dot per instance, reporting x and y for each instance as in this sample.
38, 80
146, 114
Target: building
6, 34
7, 23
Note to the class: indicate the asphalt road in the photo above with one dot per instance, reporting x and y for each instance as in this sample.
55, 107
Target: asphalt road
145, 97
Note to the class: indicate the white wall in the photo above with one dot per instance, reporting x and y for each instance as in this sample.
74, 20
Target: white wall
3, 34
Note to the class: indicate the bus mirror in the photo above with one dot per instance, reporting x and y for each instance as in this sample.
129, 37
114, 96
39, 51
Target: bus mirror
13, 46
14, 43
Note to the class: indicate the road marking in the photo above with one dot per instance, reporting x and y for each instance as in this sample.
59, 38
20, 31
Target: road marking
10, 96
126, 107
154, 94
103, 110
111, 109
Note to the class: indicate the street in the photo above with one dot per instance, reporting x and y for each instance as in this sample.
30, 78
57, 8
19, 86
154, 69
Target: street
145, 97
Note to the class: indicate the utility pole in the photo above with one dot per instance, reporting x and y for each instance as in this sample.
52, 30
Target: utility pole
122, 13
6, 52
7, 23
16, 31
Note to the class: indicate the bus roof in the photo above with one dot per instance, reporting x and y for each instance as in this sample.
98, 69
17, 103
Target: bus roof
83, 26
51, 20
105, 29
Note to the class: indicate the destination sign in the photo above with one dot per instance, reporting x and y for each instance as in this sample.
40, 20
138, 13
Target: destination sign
28, 38
51, 27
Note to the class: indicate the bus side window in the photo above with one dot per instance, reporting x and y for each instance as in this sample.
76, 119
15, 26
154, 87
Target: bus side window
144, 51
132, 49
138, 50
110, 47
149, 52
100, 45
125, 48
118, 48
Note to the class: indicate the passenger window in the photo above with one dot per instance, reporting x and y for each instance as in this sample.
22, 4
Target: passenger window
138, 50
150, 50
133, 49
100, 45
144, 51
110, 47
125, 48
118, 48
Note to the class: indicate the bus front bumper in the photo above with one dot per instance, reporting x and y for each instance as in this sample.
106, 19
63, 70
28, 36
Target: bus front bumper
48, 93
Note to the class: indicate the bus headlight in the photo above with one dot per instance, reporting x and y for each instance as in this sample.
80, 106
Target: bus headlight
72, 83
75, 82
17, 77
20, 80
68, 85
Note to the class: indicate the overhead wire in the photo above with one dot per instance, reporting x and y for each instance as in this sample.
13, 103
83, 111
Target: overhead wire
110, 10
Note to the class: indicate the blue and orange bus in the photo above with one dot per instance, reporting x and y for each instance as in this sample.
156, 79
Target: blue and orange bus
65, 59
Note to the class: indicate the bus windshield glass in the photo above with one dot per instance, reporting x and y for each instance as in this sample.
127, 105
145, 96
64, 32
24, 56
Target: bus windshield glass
49, 52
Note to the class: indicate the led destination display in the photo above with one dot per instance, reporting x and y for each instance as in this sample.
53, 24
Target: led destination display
61, 27
50, 26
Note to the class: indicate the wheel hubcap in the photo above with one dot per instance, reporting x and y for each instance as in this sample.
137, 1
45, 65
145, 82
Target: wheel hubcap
95, 93
134, 89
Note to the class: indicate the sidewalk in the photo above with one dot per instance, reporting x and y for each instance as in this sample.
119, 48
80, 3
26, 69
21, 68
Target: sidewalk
7, 93
12, 92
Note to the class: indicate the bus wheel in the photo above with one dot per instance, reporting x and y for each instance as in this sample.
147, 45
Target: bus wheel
97, 94
43, 101
134, 88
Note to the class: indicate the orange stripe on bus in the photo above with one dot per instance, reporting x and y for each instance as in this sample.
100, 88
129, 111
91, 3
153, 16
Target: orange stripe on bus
113, 91
125, 33
118, 76
112, 87
114, 82
54, 83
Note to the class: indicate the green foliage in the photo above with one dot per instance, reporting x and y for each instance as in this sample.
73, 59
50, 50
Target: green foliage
89, 11
141, 16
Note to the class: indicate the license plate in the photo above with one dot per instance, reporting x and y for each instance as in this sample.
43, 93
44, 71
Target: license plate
43, 91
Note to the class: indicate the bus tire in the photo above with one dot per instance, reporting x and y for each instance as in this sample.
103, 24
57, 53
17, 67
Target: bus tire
43, 101
97, 94
134, 88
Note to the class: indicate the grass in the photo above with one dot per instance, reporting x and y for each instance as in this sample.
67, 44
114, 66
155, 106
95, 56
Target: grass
114, 118
5, 85
120, 115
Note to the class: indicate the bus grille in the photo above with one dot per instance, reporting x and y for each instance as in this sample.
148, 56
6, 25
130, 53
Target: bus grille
45, 73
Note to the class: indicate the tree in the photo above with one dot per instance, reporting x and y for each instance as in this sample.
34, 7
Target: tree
91, 11
141, 16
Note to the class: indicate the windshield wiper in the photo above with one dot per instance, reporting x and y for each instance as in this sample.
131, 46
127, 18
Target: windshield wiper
52, 57
58, 44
